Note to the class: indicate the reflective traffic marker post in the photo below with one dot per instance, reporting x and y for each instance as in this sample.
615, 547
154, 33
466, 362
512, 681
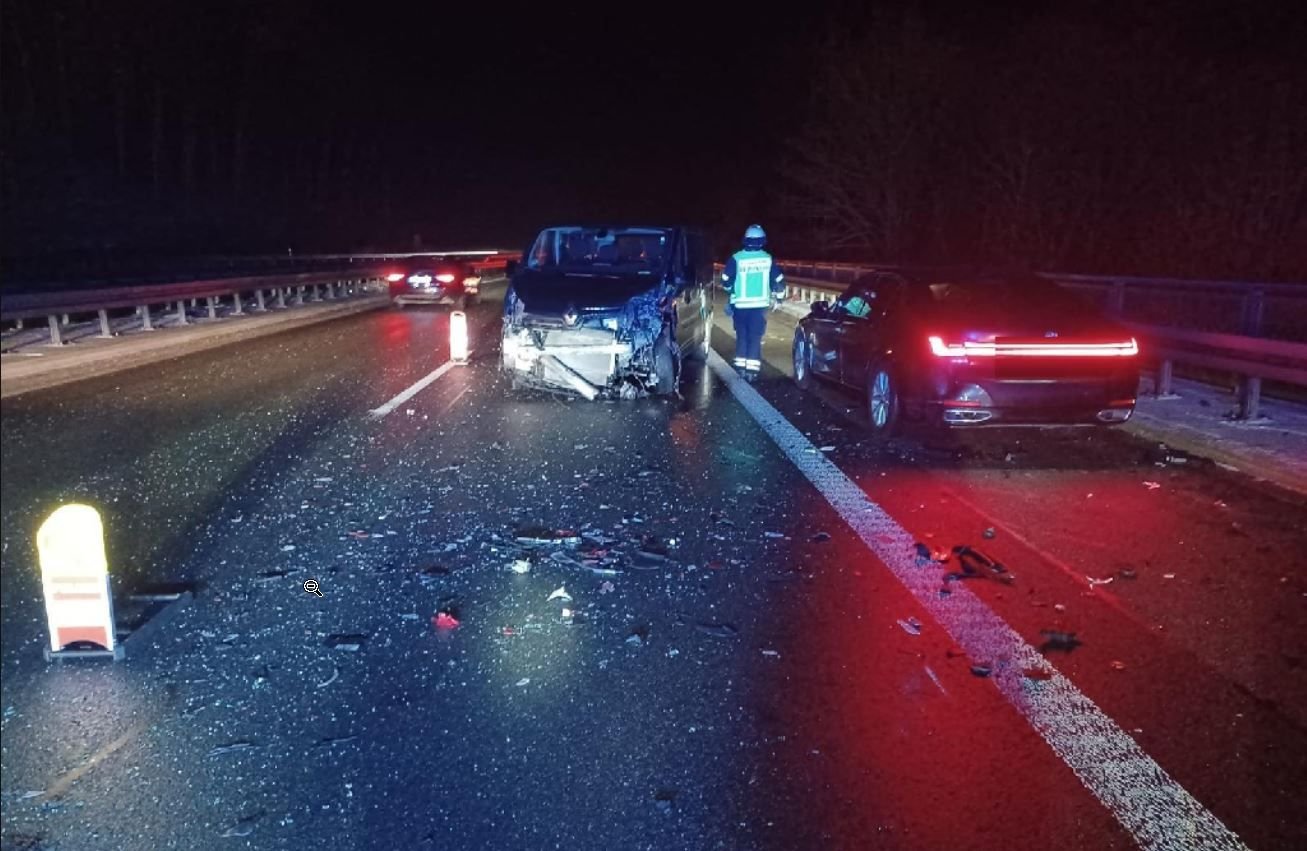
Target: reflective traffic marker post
75, 580
458, 337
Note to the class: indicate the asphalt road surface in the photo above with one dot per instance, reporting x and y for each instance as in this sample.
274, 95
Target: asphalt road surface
743, 650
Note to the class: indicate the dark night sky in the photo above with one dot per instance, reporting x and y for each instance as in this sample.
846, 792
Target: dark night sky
231, 125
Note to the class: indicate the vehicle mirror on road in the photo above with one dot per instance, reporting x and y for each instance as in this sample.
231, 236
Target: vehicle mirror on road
820, 308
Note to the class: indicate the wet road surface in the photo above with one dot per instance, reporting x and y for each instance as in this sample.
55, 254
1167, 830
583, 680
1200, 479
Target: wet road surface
724, 663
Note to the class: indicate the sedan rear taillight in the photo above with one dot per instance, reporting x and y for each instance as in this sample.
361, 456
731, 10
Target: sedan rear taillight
445, 278
471, 282
941, 349
395, 277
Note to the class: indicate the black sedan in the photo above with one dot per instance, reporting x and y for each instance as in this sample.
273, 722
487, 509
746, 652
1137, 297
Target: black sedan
968, 349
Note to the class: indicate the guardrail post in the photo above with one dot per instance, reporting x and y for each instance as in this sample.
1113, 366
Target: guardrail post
281, 296
181, 312
104, 323
237, 308
1253, 304
146, 324
1116, 299
213, 307
56, 339
1164, 378
299, 295
1250, 397
317, 292
66, 320
258, 295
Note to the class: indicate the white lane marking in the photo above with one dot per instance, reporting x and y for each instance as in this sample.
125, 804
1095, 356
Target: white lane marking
417, 387
1148, 803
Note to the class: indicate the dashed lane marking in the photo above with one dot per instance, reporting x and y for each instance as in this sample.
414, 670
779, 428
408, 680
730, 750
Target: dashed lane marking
414, 389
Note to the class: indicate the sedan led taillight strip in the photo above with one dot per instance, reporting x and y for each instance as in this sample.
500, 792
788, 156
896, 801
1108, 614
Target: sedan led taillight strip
1066, 350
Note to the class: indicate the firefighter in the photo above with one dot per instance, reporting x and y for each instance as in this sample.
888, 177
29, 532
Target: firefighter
754, 283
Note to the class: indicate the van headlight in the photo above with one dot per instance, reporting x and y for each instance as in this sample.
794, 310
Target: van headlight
611, 324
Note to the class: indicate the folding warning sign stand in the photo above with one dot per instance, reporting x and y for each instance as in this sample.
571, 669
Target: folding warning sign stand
75, 580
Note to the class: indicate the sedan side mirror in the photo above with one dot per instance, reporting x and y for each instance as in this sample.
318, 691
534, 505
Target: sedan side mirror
820, 308
510, 268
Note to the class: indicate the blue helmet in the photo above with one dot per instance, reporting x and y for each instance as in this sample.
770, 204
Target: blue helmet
755, 237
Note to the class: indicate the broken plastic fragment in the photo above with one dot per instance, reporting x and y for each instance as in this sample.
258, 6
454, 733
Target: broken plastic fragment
560, 593
1152, 486
981, 670
717, 630
346, 641
988, 534
911, 626
524, 681
444, 620
1118, 665
1096, 582
521, 565
1056, 640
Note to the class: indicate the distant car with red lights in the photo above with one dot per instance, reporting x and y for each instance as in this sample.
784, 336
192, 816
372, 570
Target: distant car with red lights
435, 280
966, 349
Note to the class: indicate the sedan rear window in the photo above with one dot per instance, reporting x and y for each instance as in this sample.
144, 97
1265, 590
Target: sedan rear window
998, 292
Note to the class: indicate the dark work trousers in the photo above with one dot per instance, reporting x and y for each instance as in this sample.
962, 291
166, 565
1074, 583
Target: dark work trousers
750, 325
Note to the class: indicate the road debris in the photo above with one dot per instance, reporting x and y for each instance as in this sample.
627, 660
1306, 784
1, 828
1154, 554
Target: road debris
520, 565
541, 536
1168, 576
820, 537
1152, 486
560, 593
664, 800
444, 620
1118, 665
1127, 573
234, 747
346, 641
332, 741
1094, 583
717, 630
774, 654
334, 676
988, 534
981, 670
774, 535
525, 681
1056, 640
935, 679
911, 626
607, 587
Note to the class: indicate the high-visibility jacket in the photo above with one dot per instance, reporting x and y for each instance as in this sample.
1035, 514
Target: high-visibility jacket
752, 278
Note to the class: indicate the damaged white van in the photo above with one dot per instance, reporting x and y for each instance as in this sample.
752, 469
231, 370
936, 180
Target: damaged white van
607, 311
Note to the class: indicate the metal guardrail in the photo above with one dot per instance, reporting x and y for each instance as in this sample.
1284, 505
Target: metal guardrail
1248, 354
336, 275
60, 307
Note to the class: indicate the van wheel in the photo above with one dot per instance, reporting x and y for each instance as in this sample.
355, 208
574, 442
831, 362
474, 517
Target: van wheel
664, 366
883, 405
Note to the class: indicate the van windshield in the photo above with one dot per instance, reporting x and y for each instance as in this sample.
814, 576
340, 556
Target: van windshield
601, 251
